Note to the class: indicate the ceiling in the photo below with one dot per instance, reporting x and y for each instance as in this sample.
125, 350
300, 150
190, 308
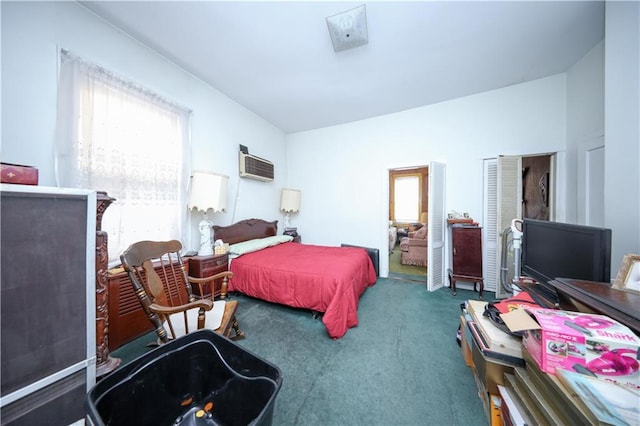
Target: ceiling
277, 59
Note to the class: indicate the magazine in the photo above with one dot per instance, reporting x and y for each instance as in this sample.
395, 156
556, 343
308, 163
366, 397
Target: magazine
608, 403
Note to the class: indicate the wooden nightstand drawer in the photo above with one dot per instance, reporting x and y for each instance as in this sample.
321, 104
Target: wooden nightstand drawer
206, 266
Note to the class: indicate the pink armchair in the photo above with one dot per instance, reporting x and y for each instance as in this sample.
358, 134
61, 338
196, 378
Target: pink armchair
414, 248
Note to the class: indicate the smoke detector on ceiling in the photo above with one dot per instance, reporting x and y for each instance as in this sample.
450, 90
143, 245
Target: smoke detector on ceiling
348, 29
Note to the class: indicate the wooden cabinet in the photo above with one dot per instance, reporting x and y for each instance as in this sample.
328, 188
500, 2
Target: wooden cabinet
206, 266
466, 256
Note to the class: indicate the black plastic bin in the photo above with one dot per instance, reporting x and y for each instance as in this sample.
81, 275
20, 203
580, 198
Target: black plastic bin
202, 378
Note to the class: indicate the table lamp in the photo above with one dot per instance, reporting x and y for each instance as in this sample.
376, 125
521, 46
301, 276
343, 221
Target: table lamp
289, 203
208, 192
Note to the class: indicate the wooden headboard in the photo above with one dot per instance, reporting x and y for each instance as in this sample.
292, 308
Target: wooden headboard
248, 229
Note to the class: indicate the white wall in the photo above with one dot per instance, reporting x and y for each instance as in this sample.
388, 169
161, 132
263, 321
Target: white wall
31, 33
567, 113
585, 133
622, 128
343, 170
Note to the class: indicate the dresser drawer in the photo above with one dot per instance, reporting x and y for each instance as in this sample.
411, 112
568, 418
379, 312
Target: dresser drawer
211, 267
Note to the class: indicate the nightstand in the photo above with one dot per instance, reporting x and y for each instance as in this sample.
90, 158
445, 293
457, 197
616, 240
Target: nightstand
206, 266
293, 232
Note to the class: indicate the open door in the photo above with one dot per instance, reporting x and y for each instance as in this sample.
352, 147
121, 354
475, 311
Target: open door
436, 226
509, 205
490, 266
502, 204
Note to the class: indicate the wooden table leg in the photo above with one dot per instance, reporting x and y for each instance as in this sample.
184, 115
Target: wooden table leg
466, 278
481, 284
452, 283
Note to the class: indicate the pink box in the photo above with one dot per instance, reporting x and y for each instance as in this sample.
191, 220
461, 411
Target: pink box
593, 344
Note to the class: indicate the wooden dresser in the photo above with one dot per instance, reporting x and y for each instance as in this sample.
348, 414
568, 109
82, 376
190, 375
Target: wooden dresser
466, 256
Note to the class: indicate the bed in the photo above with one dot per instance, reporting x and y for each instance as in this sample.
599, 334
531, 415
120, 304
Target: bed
329, 280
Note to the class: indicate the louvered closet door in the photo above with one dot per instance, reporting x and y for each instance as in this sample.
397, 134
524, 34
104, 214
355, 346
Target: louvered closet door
503, 203
436, 226
490, 236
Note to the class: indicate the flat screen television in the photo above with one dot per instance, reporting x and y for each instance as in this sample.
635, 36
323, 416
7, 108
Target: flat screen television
561, 250
47, 303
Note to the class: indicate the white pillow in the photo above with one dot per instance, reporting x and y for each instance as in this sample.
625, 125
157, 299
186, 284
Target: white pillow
244, 247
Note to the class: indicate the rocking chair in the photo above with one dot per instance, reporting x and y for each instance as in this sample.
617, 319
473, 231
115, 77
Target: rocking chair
158, 275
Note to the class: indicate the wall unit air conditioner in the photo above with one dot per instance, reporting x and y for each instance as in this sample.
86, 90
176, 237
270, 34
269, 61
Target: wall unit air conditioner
255, 167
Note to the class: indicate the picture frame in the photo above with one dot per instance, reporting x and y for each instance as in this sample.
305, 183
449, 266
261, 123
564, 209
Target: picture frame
628, 277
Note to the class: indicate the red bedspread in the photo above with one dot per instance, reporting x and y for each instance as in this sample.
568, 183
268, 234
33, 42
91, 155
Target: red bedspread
324, 279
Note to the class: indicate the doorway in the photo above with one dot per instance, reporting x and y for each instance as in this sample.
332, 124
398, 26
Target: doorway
408, 213
536, 188
516, 187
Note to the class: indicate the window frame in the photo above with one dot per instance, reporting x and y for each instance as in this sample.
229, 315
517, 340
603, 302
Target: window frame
423, 175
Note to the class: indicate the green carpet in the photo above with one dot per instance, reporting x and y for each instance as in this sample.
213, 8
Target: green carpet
400, 366
395, 267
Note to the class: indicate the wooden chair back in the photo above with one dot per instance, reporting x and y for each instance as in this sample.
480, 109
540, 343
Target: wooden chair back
158, 268
158, 276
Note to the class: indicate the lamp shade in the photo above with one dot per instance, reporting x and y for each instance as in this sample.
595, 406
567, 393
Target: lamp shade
208, 191
290, 200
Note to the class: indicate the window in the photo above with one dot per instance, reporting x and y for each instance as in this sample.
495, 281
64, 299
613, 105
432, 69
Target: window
117, 137
408, 195
406, 198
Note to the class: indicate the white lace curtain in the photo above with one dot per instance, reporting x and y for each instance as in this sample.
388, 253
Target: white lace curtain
115, 136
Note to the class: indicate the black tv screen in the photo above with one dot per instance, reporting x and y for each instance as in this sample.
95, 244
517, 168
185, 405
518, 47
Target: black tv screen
560, 250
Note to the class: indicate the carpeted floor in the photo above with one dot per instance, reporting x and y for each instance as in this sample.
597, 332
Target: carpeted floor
408, 272
400, 366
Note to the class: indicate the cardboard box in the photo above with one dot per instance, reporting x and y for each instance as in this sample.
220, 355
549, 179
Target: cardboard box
590, 343
15, 173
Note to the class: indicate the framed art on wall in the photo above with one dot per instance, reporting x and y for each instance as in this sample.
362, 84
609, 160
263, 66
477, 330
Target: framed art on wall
628, 277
